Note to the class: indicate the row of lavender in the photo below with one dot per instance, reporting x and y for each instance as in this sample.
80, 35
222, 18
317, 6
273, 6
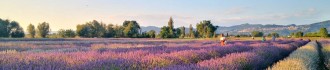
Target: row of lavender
209, 57
304, 58
256, 59
326, 52
109, 59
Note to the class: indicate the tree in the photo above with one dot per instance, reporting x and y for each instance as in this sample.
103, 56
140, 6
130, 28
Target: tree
31, 30
191, 32
66, 33
273, 34
171, 27
129, 30
177, 33
132, 29
299, 34
4, 30
119, 31
110, 31
43, 29
183, 32
257, 34
323, 32
206, 29
152, 33
15, 30
83, 30
97, 28
164, 33
10, 29
91, 29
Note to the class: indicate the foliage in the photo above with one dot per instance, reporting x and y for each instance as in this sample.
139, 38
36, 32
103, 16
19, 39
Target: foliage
31, 30
91, 29
165, 32
205, 29
257, 34
191, 32
119, 31
299, 34
312, 34
43, 29
131, 29
66, 33
183, 32
323, 32
11, 29
110, 31
171, 27
4, 31
152, 33
273, 34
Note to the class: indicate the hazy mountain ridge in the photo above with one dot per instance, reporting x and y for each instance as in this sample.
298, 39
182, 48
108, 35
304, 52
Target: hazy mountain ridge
247, 28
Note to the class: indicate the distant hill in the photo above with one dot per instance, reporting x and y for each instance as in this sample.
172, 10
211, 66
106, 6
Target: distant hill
281, 29
247, 28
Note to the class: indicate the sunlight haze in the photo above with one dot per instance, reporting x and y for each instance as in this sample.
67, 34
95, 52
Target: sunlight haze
66, 14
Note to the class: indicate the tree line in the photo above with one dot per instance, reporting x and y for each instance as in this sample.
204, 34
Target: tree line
96, 29
128, 29
323, 32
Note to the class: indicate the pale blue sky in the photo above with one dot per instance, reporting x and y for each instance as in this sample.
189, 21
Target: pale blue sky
66, 14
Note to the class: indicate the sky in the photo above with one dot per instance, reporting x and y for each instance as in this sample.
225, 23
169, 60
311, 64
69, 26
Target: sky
66, 14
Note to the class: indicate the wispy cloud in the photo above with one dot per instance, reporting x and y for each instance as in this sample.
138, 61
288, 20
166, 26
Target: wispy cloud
236, 11
280, 18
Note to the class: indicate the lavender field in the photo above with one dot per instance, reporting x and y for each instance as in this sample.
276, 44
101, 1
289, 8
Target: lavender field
137, 54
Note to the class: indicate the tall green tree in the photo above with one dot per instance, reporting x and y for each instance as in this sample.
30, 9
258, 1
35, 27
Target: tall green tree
178, 32
206, 29
97, 28
4, 30
191, 32
183, 32
165, 32
323, 32
43, 29
257, 34
83, 30
110, 31
132, 29
119, 31
31, 30
171, 27
10, 29
15, 30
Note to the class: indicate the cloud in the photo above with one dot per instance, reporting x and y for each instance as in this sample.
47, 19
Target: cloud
236, 10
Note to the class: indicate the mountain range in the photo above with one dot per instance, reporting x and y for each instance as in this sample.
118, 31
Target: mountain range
268, 28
